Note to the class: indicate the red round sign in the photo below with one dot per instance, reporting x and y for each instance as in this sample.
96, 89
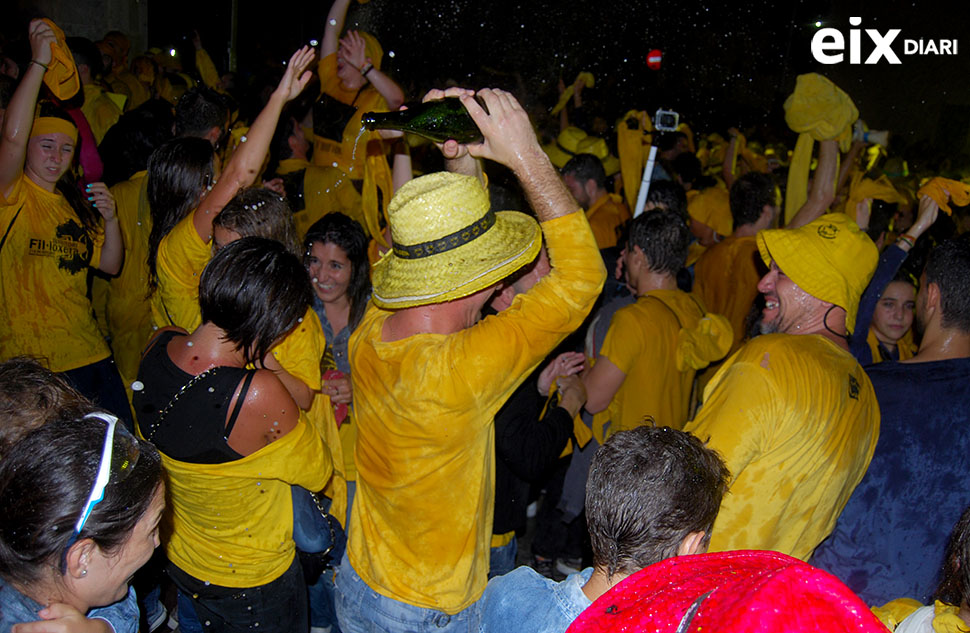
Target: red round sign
653, 59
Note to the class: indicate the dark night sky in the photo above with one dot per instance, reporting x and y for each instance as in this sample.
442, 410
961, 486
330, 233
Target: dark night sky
724, 63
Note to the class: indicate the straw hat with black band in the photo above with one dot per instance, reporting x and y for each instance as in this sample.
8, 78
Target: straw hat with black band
448, 244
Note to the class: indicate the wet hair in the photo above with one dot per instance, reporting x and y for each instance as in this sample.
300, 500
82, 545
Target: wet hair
954, 588
257, 212
663, 238
31, 395
67, 186
648, 488
687, 166
256, 291
45, 481
178, 171
128, 144
585, 167
340, 230
948, 266
749, 195
669, 196
279, 145
198, 111
86, 53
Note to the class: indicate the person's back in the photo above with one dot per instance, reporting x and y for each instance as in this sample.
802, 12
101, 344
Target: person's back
889, 540
429, 376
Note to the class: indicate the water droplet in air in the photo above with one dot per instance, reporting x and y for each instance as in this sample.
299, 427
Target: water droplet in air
137, 385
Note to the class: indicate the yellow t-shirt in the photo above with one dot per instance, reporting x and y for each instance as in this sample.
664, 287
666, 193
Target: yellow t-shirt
325, 190
100, 111
642, 343
606, 218
422, 515
726, 280
182, 256
796, 420
129, 311
232, 523
43, 280
338, 141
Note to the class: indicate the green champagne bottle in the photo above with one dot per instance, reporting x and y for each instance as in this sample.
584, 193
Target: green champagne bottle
438, 120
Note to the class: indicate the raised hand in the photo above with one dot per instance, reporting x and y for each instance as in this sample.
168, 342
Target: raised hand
509, 137
296, 76
41, 38
102, 200
353, 50
566, 364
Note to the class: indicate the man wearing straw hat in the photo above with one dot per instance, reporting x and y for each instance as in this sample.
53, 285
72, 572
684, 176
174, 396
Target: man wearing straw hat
792, 412
429, 375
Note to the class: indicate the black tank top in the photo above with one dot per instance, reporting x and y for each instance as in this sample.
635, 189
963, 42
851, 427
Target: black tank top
195, 427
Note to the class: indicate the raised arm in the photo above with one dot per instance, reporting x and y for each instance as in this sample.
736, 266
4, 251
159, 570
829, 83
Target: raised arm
243, 167
19, 118
511, 141
333, 27
822, 195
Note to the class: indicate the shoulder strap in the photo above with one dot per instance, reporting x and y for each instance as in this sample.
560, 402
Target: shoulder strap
671, 310
10, 226
240, 399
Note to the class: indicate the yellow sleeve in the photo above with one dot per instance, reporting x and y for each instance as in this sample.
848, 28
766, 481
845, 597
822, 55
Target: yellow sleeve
207, 69
300, 352
182, 256
623, 343
540, 318
738, 402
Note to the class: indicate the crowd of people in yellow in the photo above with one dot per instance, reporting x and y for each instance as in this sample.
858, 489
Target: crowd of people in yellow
330, 380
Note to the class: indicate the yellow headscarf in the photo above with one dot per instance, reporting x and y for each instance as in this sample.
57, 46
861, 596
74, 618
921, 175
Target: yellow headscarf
937, 189
633, 146
61, 74
567, 94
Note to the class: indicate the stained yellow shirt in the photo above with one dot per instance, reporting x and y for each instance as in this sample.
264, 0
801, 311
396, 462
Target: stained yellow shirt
726, 280
642, 343
100, 111
232, 523
796, 421
325, 190
424, 406
606, 218
43, 280
129, 311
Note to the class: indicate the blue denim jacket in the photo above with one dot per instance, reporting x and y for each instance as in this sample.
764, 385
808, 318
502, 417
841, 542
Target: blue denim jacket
523, 601
15, 608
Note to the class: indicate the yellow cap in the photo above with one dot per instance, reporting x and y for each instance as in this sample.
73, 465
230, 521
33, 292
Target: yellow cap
830, 259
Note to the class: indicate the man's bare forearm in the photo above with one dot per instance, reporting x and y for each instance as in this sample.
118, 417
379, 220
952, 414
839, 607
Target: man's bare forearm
544, 189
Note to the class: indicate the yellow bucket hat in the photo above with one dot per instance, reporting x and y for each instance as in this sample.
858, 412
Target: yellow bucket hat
597, 147
448, 244
830, 259
565, 146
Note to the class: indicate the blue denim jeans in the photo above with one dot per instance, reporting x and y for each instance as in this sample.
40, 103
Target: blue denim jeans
360, 609
501, 560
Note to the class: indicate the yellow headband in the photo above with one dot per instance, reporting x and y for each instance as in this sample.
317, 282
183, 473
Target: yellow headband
51, 125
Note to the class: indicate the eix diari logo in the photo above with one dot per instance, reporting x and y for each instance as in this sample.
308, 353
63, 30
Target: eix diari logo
828, 45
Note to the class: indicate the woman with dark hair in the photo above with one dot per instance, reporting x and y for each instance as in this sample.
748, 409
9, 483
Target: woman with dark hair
82, 500
233, 441
335, 254
49, 238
